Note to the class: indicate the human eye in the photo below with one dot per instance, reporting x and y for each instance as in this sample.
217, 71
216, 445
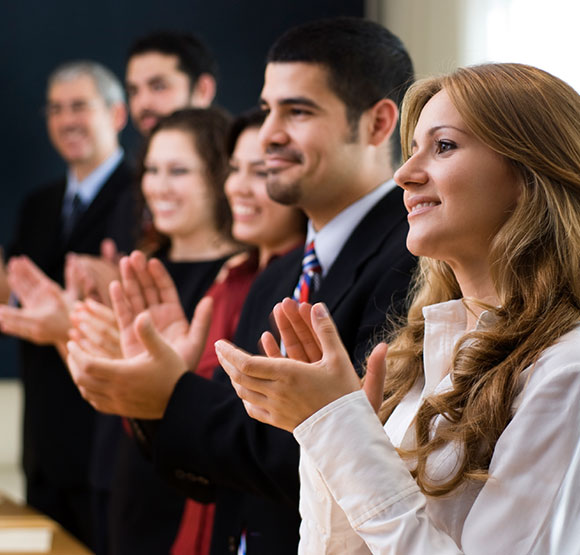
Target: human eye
79, 107
260, 171
179, 170
131, 91
149, 169
299, 111
443, 146
233, 168
158, 86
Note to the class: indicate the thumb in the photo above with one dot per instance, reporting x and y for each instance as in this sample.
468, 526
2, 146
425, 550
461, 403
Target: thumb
109, 250
198, 332
150, 337
374, 380
72, 277
325, 329
201, 320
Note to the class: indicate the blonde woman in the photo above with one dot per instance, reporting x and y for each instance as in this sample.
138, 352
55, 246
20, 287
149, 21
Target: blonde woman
480, 408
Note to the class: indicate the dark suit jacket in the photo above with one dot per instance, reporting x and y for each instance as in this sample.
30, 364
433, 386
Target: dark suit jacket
145, 511
208, 445
58, 423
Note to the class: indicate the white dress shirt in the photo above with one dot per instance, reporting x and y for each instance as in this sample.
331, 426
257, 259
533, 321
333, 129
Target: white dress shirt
329, 240
88, 188
358, 497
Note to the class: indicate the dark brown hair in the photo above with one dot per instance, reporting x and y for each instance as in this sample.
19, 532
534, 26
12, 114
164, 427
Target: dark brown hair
207, 128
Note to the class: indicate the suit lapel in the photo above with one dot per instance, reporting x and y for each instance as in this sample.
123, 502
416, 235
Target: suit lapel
100, 208
363, 243
45, 248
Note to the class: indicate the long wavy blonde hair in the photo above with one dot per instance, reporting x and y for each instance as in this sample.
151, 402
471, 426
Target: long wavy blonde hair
532, 119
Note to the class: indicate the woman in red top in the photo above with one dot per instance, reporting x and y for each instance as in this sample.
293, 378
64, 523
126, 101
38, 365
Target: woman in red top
273, 230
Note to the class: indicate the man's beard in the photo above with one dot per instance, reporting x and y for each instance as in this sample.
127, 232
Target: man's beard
287, 194
147, 114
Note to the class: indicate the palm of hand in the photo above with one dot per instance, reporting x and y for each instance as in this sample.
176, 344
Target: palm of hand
169, 321
48, 307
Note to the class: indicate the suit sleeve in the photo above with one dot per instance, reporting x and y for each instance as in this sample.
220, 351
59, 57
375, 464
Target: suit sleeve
206, 436
206, 439
376, 300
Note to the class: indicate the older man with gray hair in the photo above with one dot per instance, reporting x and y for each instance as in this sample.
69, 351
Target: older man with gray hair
85, 112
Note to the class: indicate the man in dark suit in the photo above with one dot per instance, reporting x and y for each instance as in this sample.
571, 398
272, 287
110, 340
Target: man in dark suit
331, 95
85, 112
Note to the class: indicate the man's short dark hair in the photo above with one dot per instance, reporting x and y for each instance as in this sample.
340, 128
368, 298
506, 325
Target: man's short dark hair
193, 56
365, 62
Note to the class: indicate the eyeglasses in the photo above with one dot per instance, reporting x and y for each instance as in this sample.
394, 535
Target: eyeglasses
77, 107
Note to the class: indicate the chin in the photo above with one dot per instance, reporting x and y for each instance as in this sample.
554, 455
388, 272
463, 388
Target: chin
287, 194
249, 237
419, 247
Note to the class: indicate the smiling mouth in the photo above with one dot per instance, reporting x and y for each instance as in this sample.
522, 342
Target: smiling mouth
72, 134
164, 206
421, 205
277, 164
148, 119
279, 157
243, 210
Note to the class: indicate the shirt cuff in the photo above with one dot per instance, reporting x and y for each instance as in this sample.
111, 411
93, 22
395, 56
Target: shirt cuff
349, 447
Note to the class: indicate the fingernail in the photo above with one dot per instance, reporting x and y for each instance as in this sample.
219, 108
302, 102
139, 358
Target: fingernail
320, 311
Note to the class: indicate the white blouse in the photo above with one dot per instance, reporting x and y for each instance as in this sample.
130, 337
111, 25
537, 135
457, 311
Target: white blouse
358, 497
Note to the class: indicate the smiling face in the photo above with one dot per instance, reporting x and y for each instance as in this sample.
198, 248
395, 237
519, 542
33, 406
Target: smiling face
257, 219
174, 186
81, 127
458, 191
155, 88
310, 157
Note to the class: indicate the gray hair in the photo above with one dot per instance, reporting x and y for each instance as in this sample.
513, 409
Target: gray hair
106, 82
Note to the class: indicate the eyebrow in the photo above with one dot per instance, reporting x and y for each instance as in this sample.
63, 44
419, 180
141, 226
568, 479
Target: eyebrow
253, 163
294, 100
156, 79
153, 79
434, 130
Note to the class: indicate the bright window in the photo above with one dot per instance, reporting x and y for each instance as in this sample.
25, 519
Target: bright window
537, 32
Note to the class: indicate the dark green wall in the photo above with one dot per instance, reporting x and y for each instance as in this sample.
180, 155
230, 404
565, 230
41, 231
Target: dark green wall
36, 36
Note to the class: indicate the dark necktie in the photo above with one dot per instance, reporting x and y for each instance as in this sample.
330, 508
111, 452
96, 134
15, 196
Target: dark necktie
71, 215
311, 272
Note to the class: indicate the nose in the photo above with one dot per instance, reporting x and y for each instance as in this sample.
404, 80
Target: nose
237, 183
411, 173
272, 131
139, 101
157, 185
65, 117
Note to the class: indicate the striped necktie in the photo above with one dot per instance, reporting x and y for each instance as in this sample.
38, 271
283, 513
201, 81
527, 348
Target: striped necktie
310, 278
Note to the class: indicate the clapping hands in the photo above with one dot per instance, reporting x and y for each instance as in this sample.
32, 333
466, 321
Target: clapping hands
157, 344
284, 392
